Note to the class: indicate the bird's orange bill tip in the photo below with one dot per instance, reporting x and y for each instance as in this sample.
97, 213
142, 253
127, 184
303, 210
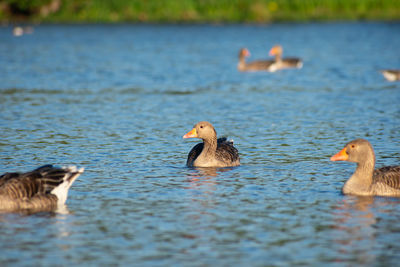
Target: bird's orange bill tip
272, 52
275, 50
341, 155
191, 134
246, 53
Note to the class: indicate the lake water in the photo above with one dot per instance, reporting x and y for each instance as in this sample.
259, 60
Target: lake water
116, 99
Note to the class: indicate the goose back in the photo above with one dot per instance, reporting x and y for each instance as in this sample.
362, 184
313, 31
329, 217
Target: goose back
37, 189
292, 62
389, 175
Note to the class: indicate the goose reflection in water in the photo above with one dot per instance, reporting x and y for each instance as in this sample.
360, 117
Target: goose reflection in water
202, 191
356, 230
205, 172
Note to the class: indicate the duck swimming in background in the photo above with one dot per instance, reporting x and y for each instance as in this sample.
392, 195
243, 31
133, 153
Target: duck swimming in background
283, 63
43, 189
19, 31
391, 75
258, 65
367, 181
212, 152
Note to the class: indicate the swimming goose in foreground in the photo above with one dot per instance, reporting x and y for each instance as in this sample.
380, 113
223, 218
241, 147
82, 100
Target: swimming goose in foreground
366, 181
283, 63
391, 75
258, 65
43, 189
212, 152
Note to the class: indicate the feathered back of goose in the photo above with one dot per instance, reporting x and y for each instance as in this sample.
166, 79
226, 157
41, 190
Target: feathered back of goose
43, 188
389, 175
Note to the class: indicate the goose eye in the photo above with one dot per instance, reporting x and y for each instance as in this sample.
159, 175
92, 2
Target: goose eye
201, 126
353, 146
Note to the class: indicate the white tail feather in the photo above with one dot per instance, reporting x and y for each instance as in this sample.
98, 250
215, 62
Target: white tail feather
299, 65
61, 191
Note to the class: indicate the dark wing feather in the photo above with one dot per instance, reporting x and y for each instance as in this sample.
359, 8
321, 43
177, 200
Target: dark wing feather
194, 153
224, 140
292, 62
389, 175
260, 64
26, 185
7, 176
226, 151
292, 59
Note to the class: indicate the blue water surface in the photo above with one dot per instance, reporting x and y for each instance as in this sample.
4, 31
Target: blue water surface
117, 99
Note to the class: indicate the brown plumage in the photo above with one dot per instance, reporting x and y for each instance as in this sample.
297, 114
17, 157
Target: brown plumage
366, 181
212, 152
43, 189
391, 75
283, 63
258, 65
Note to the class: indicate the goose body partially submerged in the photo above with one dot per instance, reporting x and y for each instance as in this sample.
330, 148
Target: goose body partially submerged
212, 152
278, 63
367, 181
43, 189
258, 65
283, 63
391, 75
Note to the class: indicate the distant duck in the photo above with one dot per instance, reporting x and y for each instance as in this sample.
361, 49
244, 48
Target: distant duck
366, 181
258, 65
19, 31
283, 63
212, 152
43, 189
391, 75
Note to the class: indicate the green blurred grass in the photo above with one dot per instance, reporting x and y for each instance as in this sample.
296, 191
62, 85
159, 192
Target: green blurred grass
188, 11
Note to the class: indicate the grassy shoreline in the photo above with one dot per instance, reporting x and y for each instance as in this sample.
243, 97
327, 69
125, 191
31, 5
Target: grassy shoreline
196, 11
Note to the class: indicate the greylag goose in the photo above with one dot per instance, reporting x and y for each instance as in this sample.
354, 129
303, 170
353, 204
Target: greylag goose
366, 181
391, 75
212, 152
259, 65
283, 63
43, 189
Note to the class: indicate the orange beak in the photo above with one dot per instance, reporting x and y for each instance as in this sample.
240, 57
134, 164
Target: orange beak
246, 53
273, 51
341, 155
191, 134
